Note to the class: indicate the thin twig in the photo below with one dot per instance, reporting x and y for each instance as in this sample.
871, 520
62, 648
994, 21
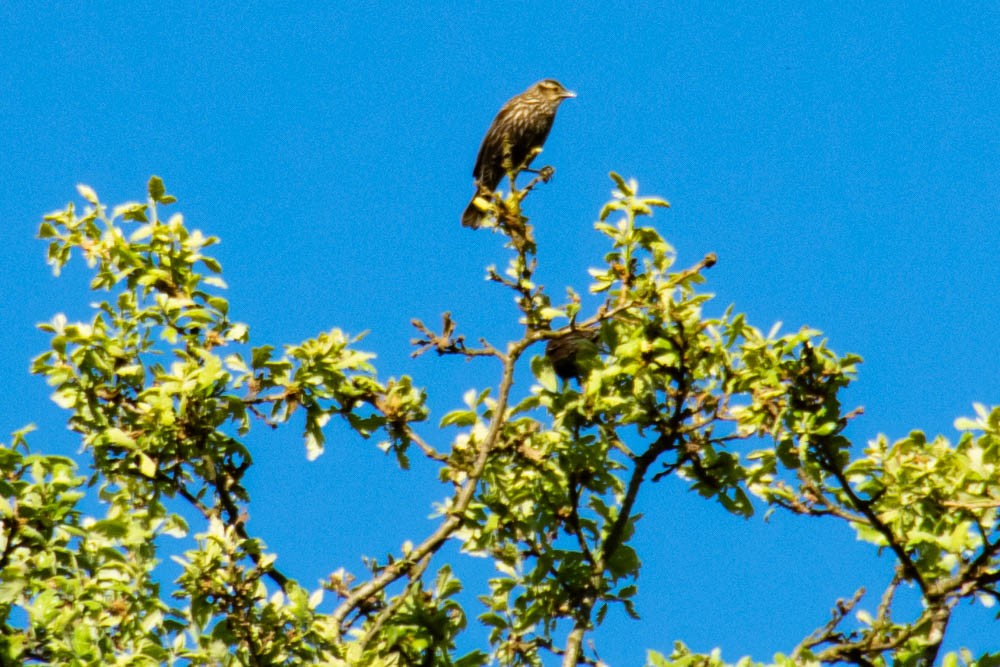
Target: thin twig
428, 451
827, 633
415, 575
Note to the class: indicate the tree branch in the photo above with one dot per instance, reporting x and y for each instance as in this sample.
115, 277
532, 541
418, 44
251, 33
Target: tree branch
460, 503
864, 506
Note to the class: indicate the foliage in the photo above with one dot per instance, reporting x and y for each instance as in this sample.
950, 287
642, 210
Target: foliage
162, 388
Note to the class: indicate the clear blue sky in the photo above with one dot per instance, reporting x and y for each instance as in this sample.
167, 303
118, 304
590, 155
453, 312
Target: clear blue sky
842, 160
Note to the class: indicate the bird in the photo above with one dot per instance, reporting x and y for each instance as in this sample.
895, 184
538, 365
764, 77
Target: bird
572, 354
521, 126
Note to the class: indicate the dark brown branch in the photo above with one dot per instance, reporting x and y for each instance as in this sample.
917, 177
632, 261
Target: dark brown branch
415, 575
885, 605
555, 650
863, 506
460, 503
574, 519
428, 451
670, 436
238, 524
446, 342
229, 505
669, 439
828, 634
940, 615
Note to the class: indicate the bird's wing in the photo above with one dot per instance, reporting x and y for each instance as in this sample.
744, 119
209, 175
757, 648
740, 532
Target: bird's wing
491, 139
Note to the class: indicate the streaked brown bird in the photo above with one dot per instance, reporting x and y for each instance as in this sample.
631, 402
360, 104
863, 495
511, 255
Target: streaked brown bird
521, 126
573, 354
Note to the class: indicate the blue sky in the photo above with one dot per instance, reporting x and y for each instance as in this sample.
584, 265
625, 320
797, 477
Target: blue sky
842, 161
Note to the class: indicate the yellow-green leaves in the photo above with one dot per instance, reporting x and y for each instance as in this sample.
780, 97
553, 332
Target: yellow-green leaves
158, 191
543, 478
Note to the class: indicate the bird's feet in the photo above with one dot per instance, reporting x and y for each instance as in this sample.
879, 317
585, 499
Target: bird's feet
545, 174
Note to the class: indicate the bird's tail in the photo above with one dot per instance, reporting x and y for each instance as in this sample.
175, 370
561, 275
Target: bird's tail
472, 217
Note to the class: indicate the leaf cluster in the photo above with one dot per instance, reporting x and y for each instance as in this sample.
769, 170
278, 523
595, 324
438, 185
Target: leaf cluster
163, 387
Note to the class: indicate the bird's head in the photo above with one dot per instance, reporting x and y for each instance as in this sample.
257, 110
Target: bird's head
552, 90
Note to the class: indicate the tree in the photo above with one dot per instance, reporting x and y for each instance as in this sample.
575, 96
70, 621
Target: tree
162, 387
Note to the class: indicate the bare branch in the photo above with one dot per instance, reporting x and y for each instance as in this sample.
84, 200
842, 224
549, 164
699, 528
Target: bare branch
828, 633
446, 342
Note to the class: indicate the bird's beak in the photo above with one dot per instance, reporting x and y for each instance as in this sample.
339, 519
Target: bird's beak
568, 93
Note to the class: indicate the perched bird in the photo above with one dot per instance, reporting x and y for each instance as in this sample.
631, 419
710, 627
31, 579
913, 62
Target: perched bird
569, 353
521, 126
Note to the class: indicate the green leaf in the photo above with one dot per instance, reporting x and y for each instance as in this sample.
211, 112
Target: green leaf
966, 424
473, 659
11, 589
549, 313
131, 211
81, 642
261, 355
316, 599
147, 466
87, 193
156, 188
314, 444
116, 436
620, 182
238, 332
544, 373
460, 418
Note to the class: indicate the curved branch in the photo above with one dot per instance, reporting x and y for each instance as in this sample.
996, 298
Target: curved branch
462, 499
864, 507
